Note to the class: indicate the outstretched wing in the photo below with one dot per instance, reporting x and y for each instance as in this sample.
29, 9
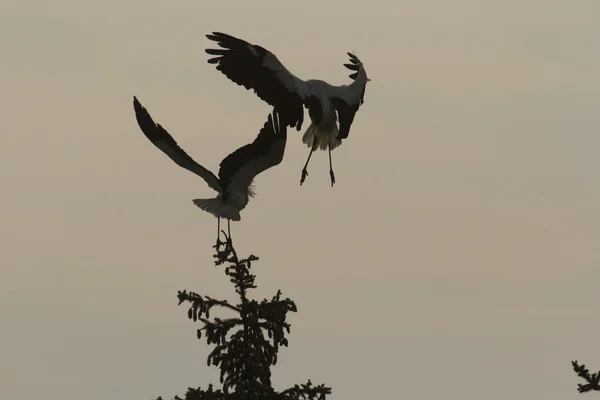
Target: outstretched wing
348, 99
255, 67
240, 167
165, 142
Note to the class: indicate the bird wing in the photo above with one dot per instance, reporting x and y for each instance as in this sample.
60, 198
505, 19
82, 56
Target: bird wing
165, 142
239, 168
353, 66
346, 113
255, 67
347, 99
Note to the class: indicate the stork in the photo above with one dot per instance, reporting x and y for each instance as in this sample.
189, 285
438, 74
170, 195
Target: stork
255, 67
237, 171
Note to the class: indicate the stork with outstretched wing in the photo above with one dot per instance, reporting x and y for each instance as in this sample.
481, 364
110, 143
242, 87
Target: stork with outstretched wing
256, 68
237, 171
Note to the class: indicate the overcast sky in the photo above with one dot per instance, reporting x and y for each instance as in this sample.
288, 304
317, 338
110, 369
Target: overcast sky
456, 257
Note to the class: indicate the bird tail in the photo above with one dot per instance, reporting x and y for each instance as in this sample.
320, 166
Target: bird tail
216, 207
321, 136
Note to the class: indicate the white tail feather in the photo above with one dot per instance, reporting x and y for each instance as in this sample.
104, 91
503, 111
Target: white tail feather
217, 208
322, 136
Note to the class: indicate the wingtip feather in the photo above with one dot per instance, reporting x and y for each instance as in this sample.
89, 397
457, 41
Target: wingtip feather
138, 106
216, 52
353, 58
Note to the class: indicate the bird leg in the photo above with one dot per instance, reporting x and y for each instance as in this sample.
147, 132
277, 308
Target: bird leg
331, 167
219, 243
304, 172
229, 231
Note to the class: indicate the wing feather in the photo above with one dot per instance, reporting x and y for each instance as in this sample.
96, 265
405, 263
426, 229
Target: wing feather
165, 142
256, 68
355, 65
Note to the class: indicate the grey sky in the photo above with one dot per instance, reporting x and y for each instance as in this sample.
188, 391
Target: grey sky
462, 233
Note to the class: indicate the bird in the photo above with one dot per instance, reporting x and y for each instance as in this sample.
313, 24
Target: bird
237, 171
256, 68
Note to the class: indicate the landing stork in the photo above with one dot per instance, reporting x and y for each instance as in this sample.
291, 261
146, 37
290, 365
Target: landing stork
255, 67
237, 171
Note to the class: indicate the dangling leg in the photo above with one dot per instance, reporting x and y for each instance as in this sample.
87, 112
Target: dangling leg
304, 172
331, 167
218, 233
229, 229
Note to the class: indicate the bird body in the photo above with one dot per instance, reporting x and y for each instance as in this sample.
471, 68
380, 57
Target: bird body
256, 68
226, 206
234, 185
323, 130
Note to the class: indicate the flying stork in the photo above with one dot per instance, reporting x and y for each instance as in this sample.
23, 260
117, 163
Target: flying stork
237, 171
255, 67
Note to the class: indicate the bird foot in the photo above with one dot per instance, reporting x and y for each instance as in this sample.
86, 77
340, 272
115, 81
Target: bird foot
304, 175
219, 244
332, 177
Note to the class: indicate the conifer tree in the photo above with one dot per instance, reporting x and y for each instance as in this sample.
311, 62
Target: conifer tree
246, 345
593, 380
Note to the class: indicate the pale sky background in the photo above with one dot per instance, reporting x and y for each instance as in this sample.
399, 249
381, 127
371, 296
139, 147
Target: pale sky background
460, 240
